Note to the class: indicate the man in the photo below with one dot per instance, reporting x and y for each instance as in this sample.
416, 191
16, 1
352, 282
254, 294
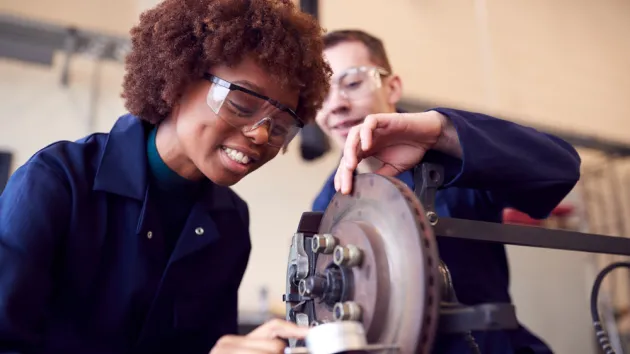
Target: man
489, 164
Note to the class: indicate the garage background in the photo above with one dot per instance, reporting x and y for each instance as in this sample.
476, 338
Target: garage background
561, 66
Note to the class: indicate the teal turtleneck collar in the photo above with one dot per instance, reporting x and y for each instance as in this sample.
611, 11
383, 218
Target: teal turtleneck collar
163, 177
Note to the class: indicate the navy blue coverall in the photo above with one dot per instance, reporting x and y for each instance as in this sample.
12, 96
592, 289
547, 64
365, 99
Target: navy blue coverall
504, 165
85, 266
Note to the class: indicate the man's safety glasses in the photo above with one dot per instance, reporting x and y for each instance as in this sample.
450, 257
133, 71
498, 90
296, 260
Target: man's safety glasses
357, 82
247, 110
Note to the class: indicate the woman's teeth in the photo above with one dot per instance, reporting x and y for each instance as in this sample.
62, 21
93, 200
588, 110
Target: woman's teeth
237, 156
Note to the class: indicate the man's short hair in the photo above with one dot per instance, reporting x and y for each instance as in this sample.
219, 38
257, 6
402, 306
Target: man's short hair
374, 45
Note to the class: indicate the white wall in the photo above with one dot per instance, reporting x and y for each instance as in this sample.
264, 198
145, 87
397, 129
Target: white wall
561, 62
113, 16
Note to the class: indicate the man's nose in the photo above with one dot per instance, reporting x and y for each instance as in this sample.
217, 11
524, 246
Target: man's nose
259, 133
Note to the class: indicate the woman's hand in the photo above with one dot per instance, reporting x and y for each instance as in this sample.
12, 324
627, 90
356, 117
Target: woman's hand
266, 339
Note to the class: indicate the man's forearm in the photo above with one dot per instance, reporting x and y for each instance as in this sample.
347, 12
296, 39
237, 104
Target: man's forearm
448, 142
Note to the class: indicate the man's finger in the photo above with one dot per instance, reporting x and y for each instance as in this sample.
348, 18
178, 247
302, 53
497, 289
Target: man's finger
351, 148
349, 162
346, 183
342, 182
366, 133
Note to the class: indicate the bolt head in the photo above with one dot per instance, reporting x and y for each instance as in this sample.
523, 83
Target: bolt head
432, 217
338, 312
324, 243
347, 311
349, 256
340, 255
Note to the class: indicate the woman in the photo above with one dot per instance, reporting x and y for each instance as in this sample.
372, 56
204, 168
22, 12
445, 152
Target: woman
131, 241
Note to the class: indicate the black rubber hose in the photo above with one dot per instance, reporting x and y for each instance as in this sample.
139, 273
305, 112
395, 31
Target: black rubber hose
601, 334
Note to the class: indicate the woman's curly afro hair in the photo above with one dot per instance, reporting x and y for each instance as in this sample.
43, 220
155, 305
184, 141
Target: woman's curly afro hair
176, 42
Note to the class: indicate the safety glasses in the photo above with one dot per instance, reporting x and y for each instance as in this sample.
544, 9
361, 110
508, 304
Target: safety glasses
248, 110
357, 82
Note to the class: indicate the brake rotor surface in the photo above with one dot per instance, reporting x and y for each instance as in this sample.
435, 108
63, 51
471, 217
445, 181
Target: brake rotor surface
396, 284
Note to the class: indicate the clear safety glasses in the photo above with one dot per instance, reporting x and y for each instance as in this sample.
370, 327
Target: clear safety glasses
248, 110
357, 82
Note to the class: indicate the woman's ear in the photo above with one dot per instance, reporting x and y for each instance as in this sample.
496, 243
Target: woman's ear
394, 89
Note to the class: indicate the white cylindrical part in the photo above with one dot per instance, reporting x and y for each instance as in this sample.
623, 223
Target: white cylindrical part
336, 337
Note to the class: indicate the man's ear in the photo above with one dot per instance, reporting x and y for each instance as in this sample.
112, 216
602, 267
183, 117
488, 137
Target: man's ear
394, 89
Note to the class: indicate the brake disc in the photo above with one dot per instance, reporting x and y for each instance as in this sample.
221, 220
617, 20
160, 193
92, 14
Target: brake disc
372, 259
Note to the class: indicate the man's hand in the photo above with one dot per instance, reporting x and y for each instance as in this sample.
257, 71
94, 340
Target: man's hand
398, 140
266, 339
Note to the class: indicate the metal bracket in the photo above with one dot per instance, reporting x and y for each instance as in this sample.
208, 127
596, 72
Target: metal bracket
532, 236
457, 318
301, 263
428, 178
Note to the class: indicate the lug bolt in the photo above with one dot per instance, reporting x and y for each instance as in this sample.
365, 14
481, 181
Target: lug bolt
349, 256
324, 243
347, 311
313, 285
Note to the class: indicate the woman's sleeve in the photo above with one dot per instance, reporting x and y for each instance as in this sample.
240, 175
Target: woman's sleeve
34, 216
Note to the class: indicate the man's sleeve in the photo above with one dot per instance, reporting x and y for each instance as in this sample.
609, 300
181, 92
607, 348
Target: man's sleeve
34, 213
321, 201
325, 195
516, 166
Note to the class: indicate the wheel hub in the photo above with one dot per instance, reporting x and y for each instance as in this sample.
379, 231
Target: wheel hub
372, 260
